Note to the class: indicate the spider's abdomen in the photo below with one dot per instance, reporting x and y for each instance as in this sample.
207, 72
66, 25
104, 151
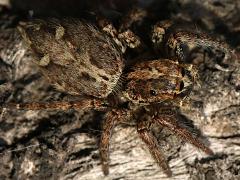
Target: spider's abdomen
74, 56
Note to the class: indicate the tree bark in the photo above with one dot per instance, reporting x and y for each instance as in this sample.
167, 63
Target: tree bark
64, 145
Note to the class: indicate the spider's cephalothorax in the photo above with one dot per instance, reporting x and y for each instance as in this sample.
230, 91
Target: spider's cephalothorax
158, 80
81, 60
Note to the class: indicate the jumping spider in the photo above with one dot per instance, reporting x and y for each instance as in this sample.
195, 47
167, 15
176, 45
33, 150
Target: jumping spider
82, 60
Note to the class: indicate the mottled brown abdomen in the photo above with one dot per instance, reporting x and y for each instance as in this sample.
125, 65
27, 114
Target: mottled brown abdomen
76, 57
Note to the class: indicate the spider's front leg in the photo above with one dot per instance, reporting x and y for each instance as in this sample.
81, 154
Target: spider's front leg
182, 43
143, 129
166, 119
111, 119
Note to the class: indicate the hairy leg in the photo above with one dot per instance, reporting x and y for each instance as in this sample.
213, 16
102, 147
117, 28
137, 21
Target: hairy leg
124, 39
111, 119
78, 105
136, 15
170, 122
143, 129
159, 31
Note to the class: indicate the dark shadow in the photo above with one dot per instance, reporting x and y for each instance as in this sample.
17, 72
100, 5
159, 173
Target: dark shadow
54, 8
198, 13
211, 158
86, 9
188, 124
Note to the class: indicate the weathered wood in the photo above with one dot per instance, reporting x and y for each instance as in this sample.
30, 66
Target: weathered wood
64, 145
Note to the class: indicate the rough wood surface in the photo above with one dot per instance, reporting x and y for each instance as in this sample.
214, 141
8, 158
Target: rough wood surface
64, 145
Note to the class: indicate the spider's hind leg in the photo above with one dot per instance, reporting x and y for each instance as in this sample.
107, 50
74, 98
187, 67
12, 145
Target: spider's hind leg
82, 104
124, 40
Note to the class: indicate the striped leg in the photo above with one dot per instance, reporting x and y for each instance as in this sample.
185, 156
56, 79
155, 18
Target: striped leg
152, 144
78, 105
112, 118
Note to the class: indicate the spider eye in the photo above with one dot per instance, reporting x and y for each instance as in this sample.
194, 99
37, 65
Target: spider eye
181, 86
152, 92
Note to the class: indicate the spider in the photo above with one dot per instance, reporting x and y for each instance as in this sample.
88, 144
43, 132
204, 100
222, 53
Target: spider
81, 60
